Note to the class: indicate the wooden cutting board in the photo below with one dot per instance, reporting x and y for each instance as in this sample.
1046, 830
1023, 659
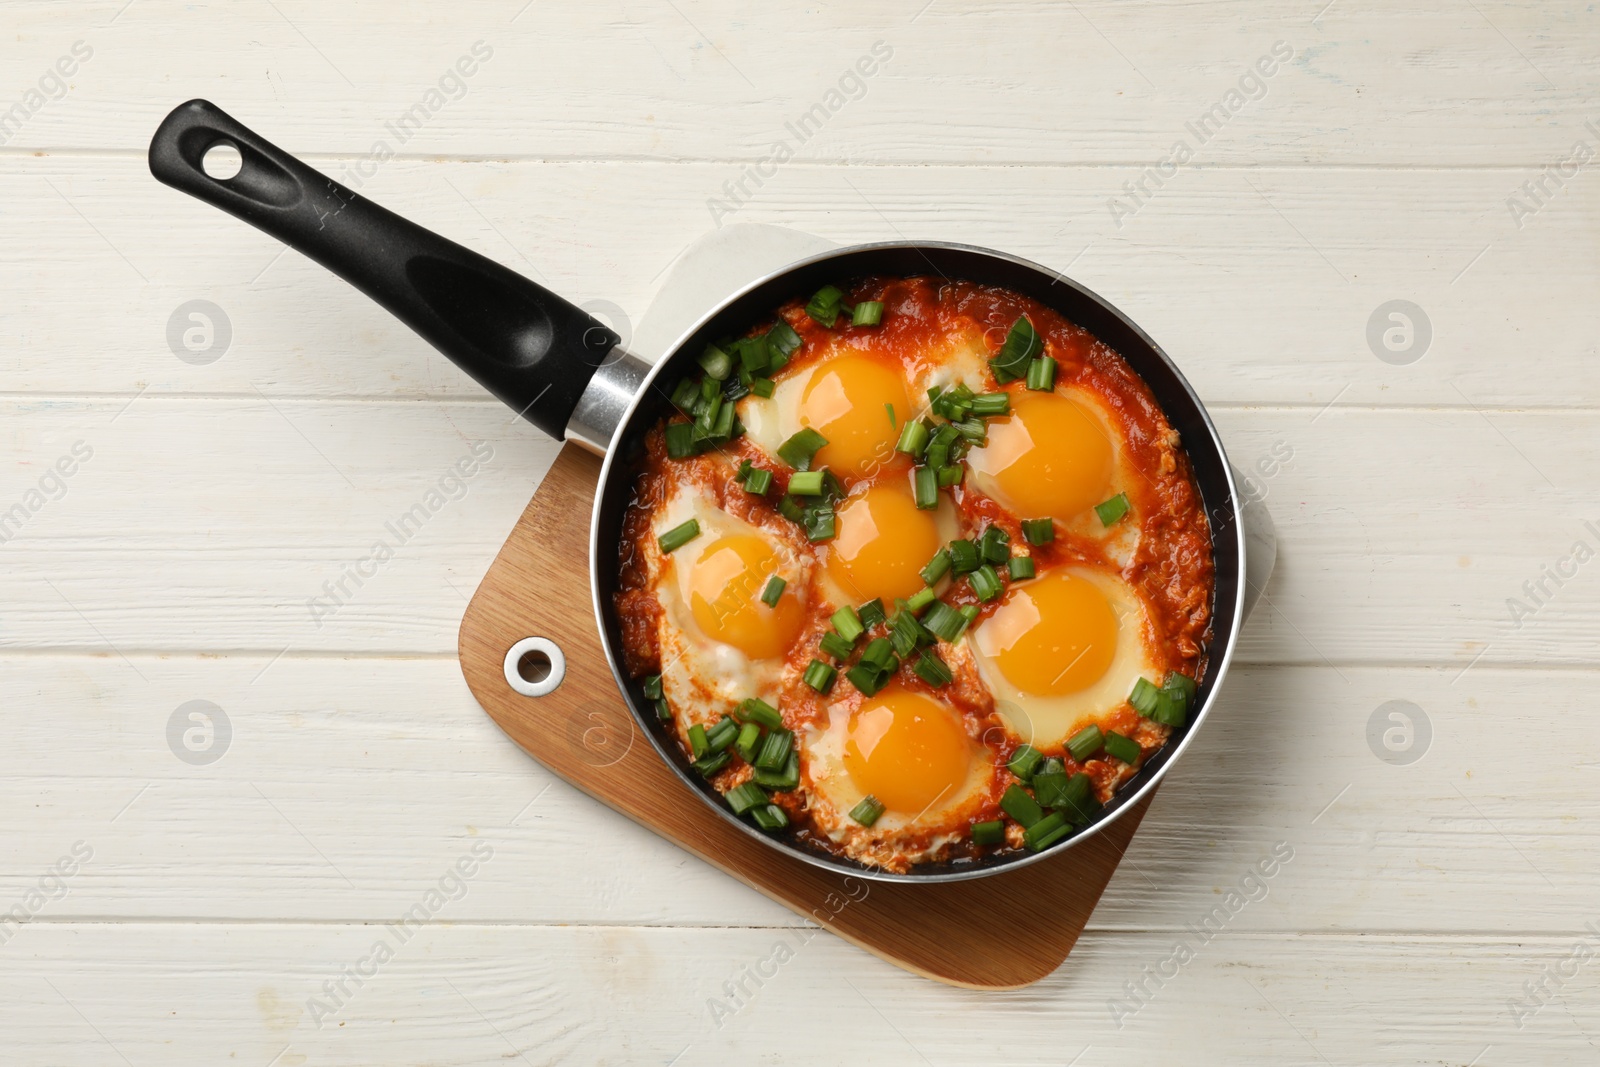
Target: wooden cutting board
999, 932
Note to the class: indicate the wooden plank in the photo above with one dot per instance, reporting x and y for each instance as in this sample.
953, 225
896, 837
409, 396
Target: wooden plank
382, 770
997, 81
461, 994
1261, 283
214, 524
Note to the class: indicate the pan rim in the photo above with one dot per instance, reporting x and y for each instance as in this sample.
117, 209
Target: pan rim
1124, 802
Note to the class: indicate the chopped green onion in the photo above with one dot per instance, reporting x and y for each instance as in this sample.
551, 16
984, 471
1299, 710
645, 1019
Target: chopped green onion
936, 567
663, 709
985, 582
868, 678
868, 811
755, 356
848, 623
926, 488
834, 644
723, 734
867, 313
1022, 344
920, 599
1051, 765
830, 486
1125, 749
1112, 509
716, 362
989, 833
1050, 787
1039, 531
990, 405
949, 476
938, 454
820, 676
914, 437
680, 440
1021, 567
1018, 803
806, 483
706, 420
944, 622
824, 305
819, 524
972, 430
994, 545
711, 764
879, 652
763, 387
870, 613
775, 750
747, 741
1042, 374
790, 509
769, 817
652, 687
905, 634
964, 556
969, 612
741, 798
798, 450
698, 745
679, 536
1046, 832
684, 394
758, 481
1080, 803
1180, 684
1085, 743
722, 428
774, 590
933, 670
760, 712
788, 778
782, 339
1144, 697
1025, 761
954, 403
1169, 709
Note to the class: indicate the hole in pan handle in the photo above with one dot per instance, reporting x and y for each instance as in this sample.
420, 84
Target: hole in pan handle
527, 346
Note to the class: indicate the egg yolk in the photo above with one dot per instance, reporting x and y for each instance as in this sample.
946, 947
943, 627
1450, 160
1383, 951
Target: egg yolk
725, 586
882, 542
1051, 457
1053, 636
906, 749
845, 401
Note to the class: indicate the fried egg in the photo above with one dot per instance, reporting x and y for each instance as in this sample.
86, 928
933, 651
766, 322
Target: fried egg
883, 540
719, 642
909, 750
1062, 651
853, 399
1057, 455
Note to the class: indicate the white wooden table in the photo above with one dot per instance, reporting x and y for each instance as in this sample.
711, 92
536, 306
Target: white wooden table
1440, 903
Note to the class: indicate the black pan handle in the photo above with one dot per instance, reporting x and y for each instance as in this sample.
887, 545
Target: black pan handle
520, 341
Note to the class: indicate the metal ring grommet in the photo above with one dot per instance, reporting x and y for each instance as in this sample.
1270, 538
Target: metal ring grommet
545, 685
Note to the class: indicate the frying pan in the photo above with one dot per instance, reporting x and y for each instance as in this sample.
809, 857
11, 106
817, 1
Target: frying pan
568, 374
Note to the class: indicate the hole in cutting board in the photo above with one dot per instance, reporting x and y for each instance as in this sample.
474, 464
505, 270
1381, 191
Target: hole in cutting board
534, 666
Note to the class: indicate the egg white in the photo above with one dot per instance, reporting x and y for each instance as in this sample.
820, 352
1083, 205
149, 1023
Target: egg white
1047, 721
703, 678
